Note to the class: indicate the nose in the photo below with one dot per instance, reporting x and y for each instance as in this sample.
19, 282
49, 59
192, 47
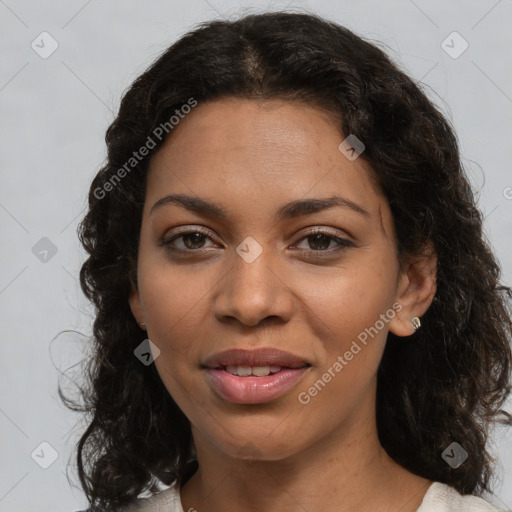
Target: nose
254, 292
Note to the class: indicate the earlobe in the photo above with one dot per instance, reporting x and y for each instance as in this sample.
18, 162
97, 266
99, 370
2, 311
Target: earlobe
415, 292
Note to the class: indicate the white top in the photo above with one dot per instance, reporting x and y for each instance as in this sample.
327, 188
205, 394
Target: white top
439, 498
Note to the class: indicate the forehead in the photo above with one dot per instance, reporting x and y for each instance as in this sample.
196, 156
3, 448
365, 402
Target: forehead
260, 152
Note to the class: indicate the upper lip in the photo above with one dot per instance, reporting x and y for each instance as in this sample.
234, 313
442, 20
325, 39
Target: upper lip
254, 357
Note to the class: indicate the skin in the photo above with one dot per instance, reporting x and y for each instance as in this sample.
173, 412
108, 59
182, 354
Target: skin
251, 157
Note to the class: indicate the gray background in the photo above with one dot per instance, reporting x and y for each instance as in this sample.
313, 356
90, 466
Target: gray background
54, 113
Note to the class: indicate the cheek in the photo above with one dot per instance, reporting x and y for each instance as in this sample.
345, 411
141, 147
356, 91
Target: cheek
347, 302
175, 304
175, 309
346, 317
175, 316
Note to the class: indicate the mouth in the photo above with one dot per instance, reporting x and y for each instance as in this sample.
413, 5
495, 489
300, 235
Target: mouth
263, 360
256, 371
253, 376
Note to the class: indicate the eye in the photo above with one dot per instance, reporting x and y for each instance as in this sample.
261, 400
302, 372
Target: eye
320, 241
192, 240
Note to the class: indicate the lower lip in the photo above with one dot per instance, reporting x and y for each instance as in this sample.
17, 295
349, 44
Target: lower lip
254, 390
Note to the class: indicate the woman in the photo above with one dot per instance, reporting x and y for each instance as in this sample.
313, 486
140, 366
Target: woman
296, 308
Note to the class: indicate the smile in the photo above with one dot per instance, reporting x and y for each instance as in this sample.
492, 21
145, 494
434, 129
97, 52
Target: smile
256, 371
253, 376
251, 389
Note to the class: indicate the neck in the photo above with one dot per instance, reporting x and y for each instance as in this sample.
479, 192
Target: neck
345, 471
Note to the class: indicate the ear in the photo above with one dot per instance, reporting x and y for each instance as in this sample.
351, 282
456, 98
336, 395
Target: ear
416, 289
135, 301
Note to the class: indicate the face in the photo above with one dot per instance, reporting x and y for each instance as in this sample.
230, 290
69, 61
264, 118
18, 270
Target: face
300, 293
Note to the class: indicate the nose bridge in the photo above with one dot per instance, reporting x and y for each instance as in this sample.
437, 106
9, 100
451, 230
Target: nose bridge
252, 289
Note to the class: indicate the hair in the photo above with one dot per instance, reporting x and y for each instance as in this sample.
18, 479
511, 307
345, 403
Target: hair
444, 384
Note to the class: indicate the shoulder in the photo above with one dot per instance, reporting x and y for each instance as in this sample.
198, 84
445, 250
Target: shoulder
167, 500
443, 498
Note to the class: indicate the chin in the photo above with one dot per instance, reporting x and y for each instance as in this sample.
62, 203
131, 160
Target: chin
259, 447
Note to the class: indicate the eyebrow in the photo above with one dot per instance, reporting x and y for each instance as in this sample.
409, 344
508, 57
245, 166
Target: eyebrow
289, 210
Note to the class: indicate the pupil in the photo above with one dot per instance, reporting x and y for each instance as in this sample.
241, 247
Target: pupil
318, 237
197, 238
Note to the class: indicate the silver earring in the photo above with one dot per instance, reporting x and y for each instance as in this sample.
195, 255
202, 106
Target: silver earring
416, 323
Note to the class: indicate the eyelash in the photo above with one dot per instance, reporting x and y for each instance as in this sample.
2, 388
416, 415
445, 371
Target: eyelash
342, 242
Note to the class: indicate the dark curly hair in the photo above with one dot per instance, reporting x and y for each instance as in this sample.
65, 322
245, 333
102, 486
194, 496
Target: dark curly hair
447, 384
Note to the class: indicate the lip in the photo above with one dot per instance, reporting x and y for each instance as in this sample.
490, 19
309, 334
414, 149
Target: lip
252, 389
254, 357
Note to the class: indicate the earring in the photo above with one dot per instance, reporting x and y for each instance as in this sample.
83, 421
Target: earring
416, 323
143, 325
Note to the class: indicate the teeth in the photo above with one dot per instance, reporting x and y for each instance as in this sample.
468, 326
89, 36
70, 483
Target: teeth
243, 371
257, 371
261, 371
231, 369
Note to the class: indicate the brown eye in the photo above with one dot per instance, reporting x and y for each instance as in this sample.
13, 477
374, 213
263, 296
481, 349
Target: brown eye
191, 240
320, 241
